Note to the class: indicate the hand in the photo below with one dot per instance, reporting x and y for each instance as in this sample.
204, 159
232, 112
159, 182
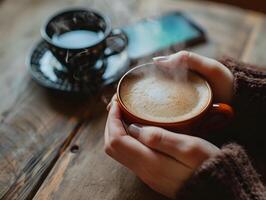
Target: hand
219, 76
160, 158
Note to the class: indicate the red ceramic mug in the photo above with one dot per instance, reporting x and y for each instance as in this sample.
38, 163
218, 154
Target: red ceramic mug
200, 122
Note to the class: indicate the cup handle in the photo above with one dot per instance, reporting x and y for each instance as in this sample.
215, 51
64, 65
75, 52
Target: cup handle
117, 41
218, 117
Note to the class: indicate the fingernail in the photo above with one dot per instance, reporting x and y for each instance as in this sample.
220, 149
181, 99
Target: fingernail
134, 130
160, 58
109, 106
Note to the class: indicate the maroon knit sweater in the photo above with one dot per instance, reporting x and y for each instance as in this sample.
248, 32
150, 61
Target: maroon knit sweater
230, 175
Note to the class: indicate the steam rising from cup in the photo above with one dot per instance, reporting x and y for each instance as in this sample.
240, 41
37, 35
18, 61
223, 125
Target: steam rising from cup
175, 65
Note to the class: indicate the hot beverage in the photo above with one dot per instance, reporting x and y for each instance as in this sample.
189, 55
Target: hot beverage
156, 96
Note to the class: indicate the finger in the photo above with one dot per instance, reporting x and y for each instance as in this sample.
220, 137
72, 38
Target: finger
202, 64
115, 125
174, 61
106, 137
114, 115
216, 73
145, 162
109, 106
191, 60
180, 147
114, 98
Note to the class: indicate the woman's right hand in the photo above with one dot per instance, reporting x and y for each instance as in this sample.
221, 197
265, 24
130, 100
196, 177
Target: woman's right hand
219, 76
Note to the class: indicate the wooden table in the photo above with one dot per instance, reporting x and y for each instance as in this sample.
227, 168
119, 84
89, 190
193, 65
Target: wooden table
51, 147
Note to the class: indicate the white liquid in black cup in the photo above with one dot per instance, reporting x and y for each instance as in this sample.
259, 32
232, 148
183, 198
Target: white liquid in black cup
77, 38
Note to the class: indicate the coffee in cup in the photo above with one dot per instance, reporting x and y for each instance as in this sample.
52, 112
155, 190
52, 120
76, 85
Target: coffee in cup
159, 97
148, 95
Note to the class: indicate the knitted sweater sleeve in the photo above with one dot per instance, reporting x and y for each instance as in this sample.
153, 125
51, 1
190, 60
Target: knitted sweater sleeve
249, 87
228, 176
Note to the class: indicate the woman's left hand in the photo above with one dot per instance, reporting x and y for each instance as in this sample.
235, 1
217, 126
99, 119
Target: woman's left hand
162, 159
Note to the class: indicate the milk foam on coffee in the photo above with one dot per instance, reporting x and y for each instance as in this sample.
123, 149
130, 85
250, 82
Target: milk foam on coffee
155, 96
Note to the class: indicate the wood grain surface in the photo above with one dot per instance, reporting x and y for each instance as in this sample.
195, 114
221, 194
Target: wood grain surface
51, 144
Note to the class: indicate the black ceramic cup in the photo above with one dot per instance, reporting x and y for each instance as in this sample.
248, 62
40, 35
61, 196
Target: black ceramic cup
82, 58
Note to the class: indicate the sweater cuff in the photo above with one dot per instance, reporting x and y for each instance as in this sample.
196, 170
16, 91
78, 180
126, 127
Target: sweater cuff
249, 86
228, 175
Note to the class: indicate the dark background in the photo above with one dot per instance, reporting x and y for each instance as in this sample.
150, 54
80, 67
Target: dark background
258, 5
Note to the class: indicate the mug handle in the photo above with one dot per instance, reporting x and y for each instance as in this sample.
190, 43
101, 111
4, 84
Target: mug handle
119, 42
219, 115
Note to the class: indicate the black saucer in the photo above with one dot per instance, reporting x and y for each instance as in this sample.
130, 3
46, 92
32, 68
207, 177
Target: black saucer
48, 72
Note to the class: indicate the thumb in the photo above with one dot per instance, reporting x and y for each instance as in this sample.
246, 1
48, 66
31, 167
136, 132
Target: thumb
172, 61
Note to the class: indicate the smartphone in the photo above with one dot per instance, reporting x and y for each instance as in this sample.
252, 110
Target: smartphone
172, 31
